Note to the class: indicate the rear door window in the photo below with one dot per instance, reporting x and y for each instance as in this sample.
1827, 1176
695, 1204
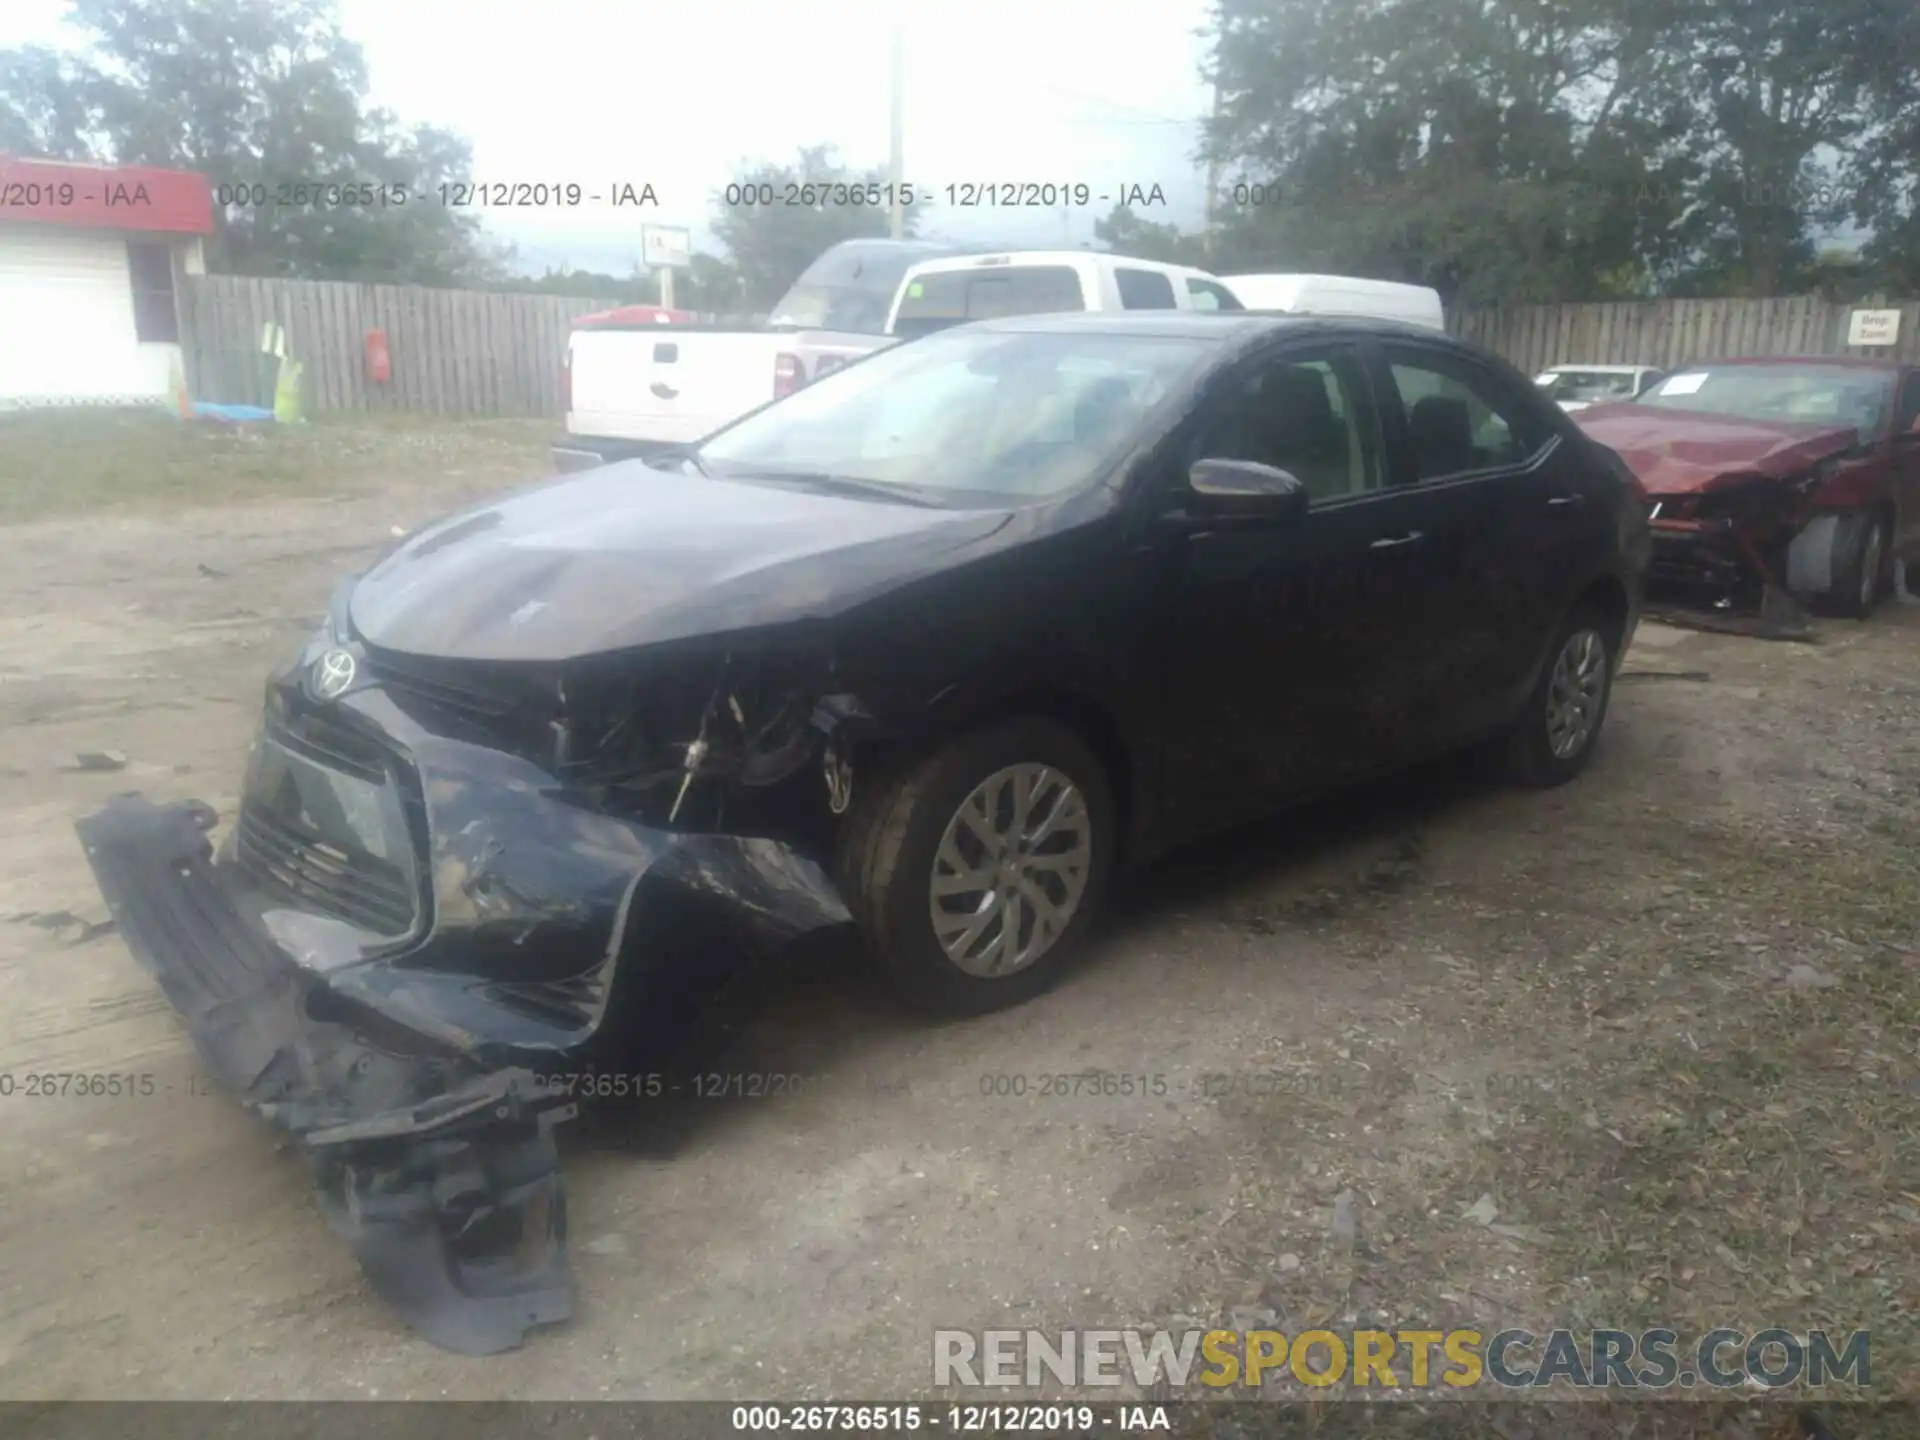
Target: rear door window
953, 297
1459, 419
1144, 290
1208, 295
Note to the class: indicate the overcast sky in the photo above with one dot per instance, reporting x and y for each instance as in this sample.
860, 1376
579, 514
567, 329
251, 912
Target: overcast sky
676, 96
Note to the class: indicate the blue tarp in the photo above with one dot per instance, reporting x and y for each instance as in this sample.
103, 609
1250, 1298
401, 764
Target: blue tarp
232, 414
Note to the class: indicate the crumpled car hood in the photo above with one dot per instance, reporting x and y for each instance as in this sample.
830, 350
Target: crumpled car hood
1681, 451
626, 555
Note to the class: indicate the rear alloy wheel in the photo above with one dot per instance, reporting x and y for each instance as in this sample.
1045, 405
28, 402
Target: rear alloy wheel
1556, 733
1860, 564
975, 875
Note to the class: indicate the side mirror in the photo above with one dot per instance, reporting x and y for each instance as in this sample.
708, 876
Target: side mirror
1246, 489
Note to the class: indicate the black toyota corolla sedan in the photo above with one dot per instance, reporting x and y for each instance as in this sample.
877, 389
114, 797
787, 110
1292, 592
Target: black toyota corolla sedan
940, 644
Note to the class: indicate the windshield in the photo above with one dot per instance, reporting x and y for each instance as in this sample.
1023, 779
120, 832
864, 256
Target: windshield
1801, 394
850, 287
1586, 385
1002, 413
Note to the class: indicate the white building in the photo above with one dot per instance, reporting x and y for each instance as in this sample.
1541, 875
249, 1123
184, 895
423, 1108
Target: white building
91, 261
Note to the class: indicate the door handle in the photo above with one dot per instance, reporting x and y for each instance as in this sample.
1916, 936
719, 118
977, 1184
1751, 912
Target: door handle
1568, 500
1395, 541
663, 390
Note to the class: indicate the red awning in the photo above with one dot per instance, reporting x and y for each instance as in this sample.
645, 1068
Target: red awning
105, 197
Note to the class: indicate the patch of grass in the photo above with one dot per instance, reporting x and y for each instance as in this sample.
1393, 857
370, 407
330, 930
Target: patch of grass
69, 461
1747, 1155
1672, 1133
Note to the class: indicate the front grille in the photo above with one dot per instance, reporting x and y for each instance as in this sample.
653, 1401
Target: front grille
355, 887
329, 743
459, 695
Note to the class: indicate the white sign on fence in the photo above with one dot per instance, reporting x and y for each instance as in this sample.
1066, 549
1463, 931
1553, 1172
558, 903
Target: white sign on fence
1873, 327
665, 245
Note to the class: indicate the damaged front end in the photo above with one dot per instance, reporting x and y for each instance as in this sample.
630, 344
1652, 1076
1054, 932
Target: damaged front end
1730, 535
450, 891
1745, 539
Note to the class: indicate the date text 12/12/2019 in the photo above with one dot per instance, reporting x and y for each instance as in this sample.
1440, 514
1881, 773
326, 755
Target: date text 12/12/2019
967, 195
453, 194
1000, 1419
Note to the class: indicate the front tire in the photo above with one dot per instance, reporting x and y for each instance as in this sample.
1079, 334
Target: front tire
1860, 551
976, 874
1555, 736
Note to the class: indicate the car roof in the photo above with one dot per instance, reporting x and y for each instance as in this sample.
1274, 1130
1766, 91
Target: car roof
1227, 326
1012, 257
1596, 369
1852, 362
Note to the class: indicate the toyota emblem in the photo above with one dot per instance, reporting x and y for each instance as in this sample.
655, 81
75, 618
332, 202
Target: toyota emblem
333, 673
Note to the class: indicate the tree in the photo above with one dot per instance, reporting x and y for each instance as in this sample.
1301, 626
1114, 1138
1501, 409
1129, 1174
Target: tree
770, 241
1435, 141
42, 111
1579, 150
1773, 85
708, 284
1883, 173
1125, 233
261, 94
634, 289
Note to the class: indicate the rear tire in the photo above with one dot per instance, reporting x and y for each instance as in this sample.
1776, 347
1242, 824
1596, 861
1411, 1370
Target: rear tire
907, 856
1559, 727
1860, 564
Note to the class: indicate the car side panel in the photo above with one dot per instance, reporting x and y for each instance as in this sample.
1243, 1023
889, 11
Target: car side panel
1298, 655
1517, 540
1059, 623
1903, 464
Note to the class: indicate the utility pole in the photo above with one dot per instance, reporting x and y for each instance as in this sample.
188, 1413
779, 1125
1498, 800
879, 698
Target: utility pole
1213, 170
897, 158
1207, 242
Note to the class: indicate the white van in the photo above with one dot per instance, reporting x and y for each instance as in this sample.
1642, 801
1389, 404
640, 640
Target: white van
1339, 295
937, 294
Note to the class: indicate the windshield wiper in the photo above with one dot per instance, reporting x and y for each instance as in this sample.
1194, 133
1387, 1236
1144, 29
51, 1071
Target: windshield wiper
827, 484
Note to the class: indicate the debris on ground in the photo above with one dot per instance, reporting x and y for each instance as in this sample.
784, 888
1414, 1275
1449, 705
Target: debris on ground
1699, 676
100, 760
1345, 1227
73, 929
1753, 627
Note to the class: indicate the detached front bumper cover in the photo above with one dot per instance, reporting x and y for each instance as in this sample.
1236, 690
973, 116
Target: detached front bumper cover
433, 1153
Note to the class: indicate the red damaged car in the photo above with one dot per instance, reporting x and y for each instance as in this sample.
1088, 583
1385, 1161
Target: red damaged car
1798, 473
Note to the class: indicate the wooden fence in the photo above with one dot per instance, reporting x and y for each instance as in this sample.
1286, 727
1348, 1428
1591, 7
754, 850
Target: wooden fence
1673, 332
464, 352
452, 352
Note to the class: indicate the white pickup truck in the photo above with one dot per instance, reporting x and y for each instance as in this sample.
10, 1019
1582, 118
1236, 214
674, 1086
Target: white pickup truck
639, 389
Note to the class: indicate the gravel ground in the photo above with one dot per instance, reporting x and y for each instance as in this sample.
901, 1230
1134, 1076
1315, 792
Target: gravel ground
1639, 1050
